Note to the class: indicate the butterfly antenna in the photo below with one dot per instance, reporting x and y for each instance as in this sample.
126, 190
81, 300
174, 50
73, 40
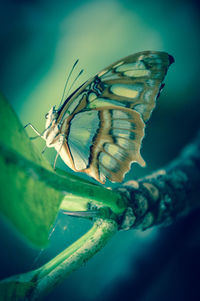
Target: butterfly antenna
68, 81
74, 81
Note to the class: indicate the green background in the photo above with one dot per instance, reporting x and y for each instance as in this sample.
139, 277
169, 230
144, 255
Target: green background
40, 40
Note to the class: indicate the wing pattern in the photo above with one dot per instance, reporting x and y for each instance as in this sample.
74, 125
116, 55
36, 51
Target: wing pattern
104, 121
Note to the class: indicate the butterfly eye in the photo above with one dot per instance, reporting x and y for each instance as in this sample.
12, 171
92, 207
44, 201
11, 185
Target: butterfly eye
46, 115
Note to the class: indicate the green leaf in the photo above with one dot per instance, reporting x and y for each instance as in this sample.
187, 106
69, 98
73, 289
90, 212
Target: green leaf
29, 203
31, 192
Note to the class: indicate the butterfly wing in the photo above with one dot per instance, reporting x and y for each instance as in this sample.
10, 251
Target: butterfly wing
104, 120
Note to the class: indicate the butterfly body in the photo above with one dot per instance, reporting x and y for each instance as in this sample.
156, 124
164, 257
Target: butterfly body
98, 130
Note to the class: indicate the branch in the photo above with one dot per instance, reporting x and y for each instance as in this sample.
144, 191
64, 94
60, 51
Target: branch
162, 196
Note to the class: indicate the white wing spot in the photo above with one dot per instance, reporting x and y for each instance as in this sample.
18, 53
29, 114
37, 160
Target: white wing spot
125, 143
140, 108
111, 149
139, 65
119, 64
137, 73
91, 97
150, 82
115, 151
102, 72
148, 96
107, 161
121, 133
74, 104
120, 114
122, 124
101, 102
124, 91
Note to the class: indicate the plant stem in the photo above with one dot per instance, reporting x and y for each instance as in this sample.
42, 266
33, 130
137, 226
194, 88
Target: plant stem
35, 284
73, 257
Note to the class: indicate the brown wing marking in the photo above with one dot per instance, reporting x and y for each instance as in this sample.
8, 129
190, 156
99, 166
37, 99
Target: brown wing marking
125, 91
146, 72
154, 63
114, 149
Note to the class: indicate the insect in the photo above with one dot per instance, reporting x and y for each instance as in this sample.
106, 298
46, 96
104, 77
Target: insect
99, 128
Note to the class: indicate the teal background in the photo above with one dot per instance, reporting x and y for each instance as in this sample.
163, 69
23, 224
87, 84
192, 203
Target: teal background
40, 41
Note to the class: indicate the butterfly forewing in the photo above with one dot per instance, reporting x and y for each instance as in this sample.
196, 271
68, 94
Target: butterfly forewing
104, 120
134, 82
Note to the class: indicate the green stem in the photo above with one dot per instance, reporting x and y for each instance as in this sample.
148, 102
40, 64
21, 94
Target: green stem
36, 284
74, 256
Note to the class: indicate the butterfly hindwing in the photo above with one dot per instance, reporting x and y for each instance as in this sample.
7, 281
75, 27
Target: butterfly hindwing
104, 120
117, 144
106, 144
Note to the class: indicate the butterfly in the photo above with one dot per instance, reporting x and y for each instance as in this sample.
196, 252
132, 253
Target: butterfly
99, 128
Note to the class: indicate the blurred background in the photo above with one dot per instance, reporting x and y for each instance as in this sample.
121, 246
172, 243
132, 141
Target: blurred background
40, 41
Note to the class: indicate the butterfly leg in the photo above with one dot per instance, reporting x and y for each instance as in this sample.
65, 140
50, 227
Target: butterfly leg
34, 129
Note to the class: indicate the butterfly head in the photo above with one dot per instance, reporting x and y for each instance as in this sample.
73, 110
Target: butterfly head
51, 128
